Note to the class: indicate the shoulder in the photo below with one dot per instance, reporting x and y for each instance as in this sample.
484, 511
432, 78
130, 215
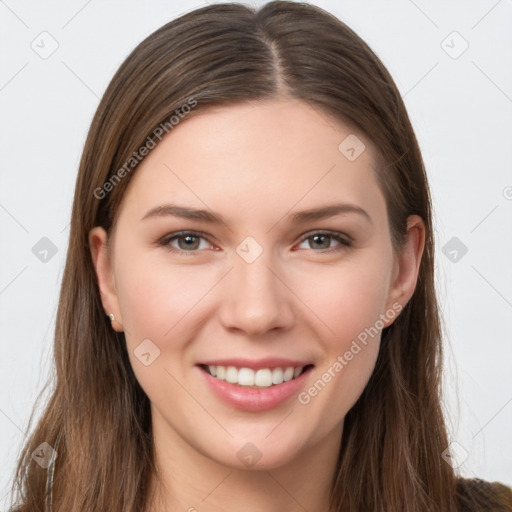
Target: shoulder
475, 495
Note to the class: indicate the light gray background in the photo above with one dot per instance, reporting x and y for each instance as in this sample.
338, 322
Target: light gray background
461, 110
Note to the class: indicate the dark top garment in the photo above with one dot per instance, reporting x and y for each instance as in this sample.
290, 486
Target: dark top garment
476, 495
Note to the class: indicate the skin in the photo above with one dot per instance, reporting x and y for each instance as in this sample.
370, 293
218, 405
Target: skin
255, 164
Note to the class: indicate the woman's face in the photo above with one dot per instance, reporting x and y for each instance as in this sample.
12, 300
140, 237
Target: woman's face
258, 284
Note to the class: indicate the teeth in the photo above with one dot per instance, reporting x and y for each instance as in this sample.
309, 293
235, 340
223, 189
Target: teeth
231, 374
264, 378
246, 377
277, 375
221, 372
288, 374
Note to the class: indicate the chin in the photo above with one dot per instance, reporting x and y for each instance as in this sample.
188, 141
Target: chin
260, 453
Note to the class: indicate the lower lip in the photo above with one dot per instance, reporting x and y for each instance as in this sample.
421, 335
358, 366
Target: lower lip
252, 399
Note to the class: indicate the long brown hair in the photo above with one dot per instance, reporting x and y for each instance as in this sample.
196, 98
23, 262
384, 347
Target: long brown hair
98, 418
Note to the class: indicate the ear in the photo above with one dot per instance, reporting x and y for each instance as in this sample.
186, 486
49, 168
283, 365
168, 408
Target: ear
407, 264
106, 282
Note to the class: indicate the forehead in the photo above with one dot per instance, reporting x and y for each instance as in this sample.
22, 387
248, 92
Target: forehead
258, 158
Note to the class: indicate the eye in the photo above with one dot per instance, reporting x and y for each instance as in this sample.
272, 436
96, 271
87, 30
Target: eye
191, 241
322, 239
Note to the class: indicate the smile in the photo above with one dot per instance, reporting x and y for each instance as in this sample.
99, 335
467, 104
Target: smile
255, 385
258, 378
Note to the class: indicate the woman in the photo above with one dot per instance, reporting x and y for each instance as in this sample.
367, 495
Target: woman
210, 355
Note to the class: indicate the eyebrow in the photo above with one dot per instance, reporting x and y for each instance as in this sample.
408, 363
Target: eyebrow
323, 212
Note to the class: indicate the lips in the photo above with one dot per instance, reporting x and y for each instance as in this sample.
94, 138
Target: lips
255, 372
255, 385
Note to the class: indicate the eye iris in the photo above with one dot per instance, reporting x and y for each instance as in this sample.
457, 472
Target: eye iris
191, 242
188, 246
325, 237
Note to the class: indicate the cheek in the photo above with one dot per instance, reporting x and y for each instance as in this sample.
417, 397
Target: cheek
349, 355
156, 296
347, 297
350, 301
157, 302
340, 382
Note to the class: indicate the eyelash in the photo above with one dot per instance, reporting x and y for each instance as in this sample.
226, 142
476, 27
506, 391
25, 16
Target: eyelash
343, 240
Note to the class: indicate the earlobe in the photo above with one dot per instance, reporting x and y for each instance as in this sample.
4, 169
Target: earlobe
105, 277
407, 264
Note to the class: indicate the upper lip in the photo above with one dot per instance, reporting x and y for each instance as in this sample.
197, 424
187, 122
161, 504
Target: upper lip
255, 364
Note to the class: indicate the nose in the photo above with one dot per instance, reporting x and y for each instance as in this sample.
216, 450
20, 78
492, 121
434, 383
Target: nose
256, 298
